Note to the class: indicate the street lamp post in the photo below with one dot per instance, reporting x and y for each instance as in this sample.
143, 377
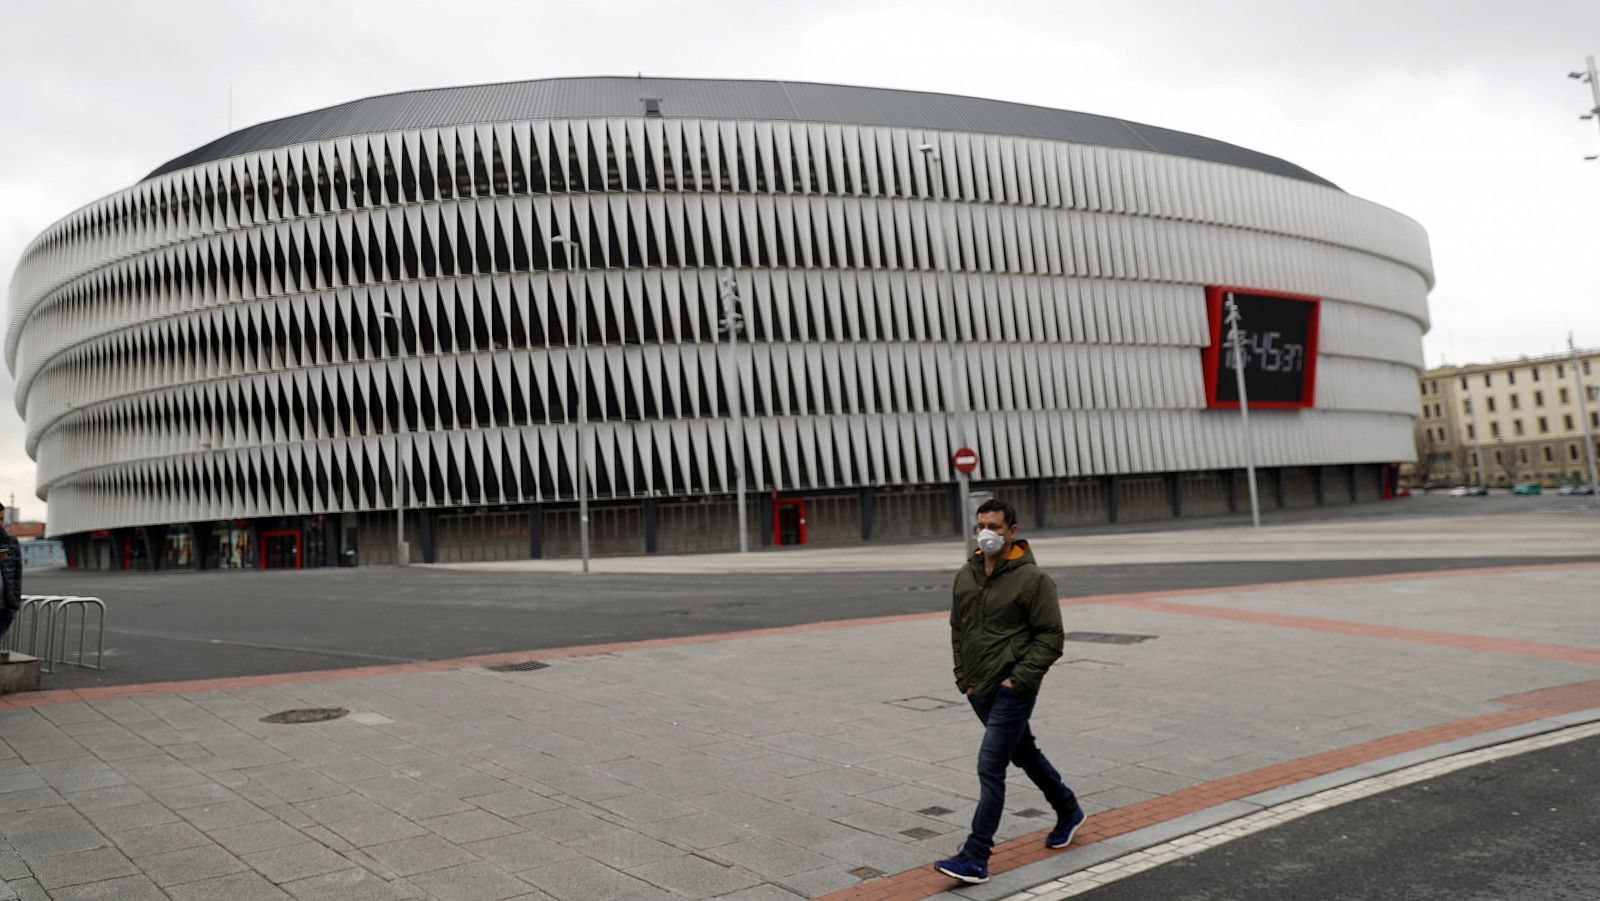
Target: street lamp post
945, 297
1236, 339
583, 398
732, 324
402, 551
1583, 410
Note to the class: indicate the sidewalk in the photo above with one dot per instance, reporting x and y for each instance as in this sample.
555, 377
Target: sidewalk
1551, 532
781, 764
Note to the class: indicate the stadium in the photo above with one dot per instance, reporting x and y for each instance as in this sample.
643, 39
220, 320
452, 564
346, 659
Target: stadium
469, 305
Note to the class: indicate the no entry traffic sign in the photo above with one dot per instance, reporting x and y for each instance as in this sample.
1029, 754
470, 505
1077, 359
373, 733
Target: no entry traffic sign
965, 460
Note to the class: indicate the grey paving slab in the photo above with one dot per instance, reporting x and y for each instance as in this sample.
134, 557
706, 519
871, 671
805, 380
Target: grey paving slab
520, 852
189, 865
582, 879
411, 856
146, 840
470, 826
235, 887
292, 862
123, 888
471, 882
262, 836
81, 867
694, 876
354, 884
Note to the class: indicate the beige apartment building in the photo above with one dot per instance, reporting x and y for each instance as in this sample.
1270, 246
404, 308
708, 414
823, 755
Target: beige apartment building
1500, 424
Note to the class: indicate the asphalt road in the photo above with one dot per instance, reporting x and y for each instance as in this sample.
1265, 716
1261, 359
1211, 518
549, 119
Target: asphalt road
184, 625
1524, 828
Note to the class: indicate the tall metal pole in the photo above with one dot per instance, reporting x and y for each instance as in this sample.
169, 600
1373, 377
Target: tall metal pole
733, 324
573, 248
1583, 408
945, 297
1236, 338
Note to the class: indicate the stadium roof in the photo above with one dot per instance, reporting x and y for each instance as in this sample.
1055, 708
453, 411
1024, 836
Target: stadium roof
705, 98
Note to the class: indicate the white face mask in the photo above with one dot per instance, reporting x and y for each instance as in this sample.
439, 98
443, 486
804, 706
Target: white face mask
990, 542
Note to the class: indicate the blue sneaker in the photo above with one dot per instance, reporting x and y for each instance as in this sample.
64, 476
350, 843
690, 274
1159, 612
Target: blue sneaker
965, 869
1066, 828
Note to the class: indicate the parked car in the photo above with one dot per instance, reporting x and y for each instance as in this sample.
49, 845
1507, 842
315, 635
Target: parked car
1526, 488
1469, 491
1566, 490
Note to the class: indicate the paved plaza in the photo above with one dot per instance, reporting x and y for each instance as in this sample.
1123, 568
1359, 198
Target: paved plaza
792, 762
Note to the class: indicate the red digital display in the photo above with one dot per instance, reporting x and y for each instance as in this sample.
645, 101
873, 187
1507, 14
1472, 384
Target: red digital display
1280, 349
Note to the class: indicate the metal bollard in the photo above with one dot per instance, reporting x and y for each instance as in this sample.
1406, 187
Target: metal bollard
59, 613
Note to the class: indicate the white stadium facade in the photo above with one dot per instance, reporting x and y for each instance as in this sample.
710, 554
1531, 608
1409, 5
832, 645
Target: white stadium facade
254, 355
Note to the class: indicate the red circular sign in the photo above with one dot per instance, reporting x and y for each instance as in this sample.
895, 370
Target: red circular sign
965, 460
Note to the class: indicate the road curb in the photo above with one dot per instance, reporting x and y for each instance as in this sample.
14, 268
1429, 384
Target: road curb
1010, 885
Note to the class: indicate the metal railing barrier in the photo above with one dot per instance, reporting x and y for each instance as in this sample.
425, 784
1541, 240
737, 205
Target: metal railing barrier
52, 612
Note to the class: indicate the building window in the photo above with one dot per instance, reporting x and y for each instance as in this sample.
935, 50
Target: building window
1463, 383
1472, 433
1536, 373
1494, 430
1572, 452
1499, 458
1522, 455
1488, 380
1544, 426
1566, 421
1511, 377
1516, 401
1585, 367
1538, 398
1490, 403
1516, 426
1566, 396
1549, 455
1561, 371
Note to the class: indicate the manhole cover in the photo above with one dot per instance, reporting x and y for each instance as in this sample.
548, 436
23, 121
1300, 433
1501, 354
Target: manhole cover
1107, 637
309, 715
917, 832
935, 811
1032, 813
526, 666
866, 873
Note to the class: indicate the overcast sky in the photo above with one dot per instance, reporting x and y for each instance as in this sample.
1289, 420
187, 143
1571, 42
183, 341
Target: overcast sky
1457, 113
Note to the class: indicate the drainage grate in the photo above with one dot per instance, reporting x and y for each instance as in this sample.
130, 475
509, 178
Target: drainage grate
526, 666
310, 715
1031, 813
866, 873
1107, 637
935, 811
918, 833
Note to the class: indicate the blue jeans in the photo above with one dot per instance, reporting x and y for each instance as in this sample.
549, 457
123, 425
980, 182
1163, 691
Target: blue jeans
1007, 739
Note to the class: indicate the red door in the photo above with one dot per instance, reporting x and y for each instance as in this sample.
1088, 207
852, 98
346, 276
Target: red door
281, 549
789, 522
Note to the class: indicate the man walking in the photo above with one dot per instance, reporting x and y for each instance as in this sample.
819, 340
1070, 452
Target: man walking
10, 581
1005, 630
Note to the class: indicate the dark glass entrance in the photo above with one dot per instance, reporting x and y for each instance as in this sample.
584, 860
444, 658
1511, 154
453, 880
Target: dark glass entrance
281, 549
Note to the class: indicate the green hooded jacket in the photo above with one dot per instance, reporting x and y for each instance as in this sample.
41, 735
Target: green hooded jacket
1006, 625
